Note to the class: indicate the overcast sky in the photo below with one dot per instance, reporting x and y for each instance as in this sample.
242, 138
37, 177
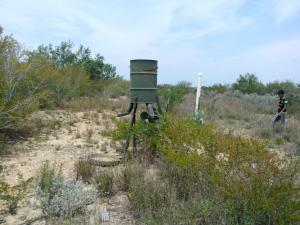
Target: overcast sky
221, 38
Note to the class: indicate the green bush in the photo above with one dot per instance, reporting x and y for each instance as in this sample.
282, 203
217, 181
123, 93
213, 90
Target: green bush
172, 95
249, 83
150, 198
59, 83
12, 195
128, 175
64, 55
48, 77
18, 91
216, 88
254, 185
115, 88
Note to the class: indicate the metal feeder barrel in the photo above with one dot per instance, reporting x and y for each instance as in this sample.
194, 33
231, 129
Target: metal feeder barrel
143, 76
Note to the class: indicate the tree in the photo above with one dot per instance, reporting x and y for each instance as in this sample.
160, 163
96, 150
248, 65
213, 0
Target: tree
174, 94
249, 83
63, 56
217, 88
17, 90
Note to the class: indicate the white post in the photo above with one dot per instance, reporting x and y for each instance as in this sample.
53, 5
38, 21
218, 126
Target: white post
200, 76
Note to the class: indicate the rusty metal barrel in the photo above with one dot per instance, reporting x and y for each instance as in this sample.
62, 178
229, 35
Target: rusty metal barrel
143, 77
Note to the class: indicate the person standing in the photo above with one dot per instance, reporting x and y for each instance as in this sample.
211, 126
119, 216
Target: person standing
282, 110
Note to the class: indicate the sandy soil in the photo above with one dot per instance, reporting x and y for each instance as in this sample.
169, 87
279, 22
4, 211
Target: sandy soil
79, 136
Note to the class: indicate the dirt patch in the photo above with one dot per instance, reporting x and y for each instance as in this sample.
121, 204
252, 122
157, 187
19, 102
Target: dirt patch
79, 136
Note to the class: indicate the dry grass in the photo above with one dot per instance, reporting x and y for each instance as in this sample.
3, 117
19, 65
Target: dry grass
246, 115
104, 182
85, 170
94, 103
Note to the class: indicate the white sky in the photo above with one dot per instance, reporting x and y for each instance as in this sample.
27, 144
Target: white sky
221, 38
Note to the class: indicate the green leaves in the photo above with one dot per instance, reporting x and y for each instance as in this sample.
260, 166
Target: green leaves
12, 194
249, 183
64, 55
18, 91
249, 83
171, 95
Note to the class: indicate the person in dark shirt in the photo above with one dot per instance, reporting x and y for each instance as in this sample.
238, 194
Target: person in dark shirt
282, 110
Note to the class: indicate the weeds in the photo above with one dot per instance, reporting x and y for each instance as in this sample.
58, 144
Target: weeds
12, 195
150, 199
59, 197
84, 170
250, 184
104, 182
128, 175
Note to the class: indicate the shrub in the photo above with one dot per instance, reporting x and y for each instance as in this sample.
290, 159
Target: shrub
217, 88
13, 194
115, 88
59, 197
249, 83
254, 185
173, 95
265, 133
61, 84
149, 198
85, 170
238, 170
104, 182
279, 141
128, 174
64, 55
18, 91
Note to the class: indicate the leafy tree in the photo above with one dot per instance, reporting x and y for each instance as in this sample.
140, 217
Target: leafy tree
17, 90
60, 83
249, 83
63, 56
184, 84
218, 88
172, 95
288, 86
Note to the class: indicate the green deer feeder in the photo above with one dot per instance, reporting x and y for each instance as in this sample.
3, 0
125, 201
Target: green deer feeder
143, 90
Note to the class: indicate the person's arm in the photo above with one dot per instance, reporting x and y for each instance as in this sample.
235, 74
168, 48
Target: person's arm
284, 108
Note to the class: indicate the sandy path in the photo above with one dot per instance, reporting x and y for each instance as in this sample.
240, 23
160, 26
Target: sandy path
79, 136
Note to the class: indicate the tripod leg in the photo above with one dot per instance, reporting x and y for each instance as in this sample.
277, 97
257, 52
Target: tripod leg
134, 146
132, 121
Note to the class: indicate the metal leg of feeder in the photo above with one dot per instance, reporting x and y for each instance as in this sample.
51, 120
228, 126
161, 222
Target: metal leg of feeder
132, 122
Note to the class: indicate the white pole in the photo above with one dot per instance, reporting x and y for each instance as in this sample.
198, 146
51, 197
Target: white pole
200, 76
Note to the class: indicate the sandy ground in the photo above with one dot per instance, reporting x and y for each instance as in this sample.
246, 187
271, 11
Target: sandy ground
78, 136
